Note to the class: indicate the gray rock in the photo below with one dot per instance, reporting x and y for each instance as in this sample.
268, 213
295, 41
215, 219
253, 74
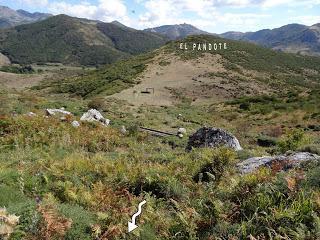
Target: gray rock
212, 138
94, 115
291, 159
75, 124
53, 112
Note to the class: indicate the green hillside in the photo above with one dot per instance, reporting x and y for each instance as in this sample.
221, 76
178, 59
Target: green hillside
281, 71
72, 41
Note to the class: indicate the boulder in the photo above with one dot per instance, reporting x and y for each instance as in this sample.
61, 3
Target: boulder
288, 160
53, 112
212, 138
94, 115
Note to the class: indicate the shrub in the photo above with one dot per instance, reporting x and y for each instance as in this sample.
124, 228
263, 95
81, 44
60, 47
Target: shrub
97, 103
292, 141
222, 160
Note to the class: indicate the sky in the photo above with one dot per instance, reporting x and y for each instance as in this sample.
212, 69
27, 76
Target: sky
216, 16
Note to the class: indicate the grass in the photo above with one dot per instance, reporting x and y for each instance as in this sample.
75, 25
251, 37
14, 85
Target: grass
86, 182
96, 176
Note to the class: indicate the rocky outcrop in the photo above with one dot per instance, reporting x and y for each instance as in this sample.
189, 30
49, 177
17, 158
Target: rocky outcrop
94, 115
212, 138
53, 112
287, 161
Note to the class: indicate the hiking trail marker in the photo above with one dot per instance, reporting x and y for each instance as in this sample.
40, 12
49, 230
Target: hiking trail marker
132, 225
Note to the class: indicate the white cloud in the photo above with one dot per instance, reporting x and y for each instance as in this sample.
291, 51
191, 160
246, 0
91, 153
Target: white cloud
307, 20
203, 14
32, 3
105, 10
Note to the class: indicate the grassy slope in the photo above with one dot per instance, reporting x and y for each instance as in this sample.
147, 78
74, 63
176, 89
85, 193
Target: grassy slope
281, 71
72, 41
96, 176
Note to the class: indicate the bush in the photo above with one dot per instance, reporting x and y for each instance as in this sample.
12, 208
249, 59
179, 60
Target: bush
292, 141
222, 160
97, 103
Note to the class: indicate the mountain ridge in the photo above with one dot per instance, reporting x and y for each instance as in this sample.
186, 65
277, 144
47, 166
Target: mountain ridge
74, 41
10, 18
177, 31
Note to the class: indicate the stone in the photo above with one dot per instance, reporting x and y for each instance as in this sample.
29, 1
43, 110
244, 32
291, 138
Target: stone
123, 130
213, 138
53, 112
31, 114
75, 124
180, 135
94, 115
290, 160
182, 131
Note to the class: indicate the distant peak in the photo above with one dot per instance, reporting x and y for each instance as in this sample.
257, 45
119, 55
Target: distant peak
119, 24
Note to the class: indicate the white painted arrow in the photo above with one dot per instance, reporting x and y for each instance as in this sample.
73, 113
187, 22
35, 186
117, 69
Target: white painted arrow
132, 225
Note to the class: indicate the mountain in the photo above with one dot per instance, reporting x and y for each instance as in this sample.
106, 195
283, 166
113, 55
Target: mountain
10, 17
178, 31
74, 41
243, 69
294, 38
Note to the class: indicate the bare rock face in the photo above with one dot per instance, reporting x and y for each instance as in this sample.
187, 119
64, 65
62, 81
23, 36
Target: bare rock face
212, 138
288, 160
94, 115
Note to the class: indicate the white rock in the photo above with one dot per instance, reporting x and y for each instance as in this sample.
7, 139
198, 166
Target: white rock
180, 135
182, 131
75, 124
123, 130
31, 114
94, 115
52, 112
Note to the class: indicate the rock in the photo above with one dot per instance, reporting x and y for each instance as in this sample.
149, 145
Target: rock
180, 135
94, 115
31, 114
123, 130
289, 160
212, 138
53, 112
75, 124
182, 131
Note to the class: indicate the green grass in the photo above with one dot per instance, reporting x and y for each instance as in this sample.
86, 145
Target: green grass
107, 80
96, 176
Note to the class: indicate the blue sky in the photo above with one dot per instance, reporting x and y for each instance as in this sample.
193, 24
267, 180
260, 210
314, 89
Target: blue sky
215, 16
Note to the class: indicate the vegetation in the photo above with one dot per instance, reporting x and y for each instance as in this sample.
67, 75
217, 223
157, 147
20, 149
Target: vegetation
17, 70
108, 80
86, 183
72, 41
